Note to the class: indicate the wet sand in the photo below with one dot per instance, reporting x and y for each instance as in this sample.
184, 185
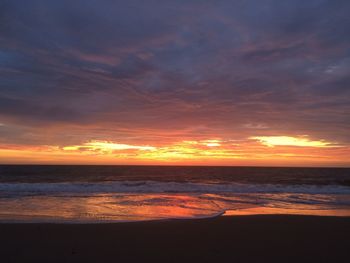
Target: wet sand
259, 238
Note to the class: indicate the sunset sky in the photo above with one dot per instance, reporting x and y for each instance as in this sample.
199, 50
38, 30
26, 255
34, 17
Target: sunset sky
264, 82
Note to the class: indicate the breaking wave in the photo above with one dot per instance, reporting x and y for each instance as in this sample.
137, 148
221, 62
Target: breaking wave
166, 187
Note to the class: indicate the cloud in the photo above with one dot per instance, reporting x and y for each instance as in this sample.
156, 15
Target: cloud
105, 146
156, 72
272, 141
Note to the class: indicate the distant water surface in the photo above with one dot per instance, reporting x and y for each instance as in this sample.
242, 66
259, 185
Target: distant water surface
34, 193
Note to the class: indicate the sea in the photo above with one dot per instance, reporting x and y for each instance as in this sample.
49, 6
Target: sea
109, 194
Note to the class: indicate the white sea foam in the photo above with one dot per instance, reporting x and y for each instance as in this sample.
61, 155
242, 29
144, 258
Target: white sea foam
166, 187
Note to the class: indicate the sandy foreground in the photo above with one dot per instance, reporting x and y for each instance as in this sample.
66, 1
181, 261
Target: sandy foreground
259, 238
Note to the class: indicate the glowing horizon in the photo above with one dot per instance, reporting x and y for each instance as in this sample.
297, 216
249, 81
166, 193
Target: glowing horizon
283, 150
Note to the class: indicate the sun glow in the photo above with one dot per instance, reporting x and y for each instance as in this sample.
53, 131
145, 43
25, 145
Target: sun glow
176, 151
212, 143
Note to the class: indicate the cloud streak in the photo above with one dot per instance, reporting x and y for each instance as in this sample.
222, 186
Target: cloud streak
272, 141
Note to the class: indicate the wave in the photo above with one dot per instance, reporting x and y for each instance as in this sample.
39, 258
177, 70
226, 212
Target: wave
166, 187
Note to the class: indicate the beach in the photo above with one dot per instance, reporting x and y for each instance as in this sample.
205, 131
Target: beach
254, 238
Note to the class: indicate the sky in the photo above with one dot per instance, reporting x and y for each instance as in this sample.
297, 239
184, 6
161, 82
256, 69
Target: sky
260, 82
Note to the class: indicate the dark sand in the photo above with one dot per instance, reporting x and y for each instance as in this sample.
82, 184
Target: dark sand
266, 238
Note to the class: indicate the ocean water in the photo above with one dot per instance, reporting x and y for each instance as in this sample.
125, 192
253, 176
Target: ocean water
84, 194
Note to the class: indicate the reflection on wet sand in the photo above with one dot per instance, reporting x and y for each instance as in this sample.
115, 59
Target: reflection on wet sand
287, 211
117, 207
138, 207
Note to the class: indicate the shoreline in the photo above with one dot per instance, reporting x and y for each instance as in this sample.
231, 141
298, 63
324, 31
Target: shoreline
253, 211
244, 238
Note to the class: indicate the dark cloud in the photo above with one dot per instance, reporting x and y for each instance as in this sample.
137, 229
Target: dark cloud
197, 67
